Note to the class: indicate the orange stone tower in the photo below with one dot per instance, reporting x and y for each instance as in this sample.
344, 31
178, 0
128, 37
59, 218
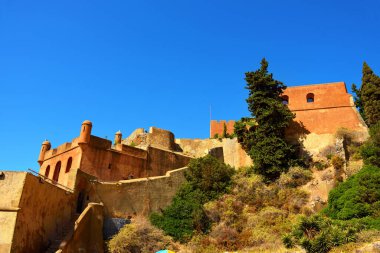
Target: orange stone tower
319, 108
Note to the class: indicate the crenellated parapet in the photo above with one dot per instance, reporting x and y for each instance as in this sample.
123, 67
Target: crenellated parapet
217, 127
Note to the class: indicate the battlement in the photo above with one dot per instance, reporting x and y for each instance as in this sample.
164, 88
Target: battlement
217, 127
61, 149
100, 158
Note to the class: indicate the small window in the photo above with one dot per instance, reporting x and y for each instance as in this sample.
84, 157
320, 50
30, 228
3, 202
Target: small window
285, 100
310, 98
69, 163
109, 166
47, 171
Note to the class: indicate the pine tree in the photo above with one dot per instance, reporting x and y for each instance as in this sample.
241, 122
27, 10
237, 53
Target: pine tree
368, 96
265, 140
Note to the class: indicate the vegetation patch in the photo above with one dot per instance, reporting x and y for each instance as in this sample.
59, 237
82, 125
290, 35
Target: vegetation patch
207, 178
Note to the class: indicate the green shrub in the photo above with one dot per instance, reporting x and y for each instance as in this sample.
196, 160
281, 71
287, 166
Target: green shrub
318, 234
295, 177
357, 197
209, 175
370, 151
207, 178
321, 165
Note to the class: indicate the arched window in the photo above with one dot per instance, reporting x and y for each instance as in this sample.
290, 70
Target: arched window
47, 171
285, 100
310, 98
69, 163
56, 171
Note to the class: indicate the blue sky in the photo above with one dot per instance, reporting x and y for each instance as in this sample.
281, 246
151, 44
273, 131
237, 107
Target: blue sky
130, 64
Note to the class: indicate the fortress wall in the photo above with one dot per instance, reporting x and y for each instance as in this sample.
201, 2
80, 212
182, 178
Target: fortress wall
233, 153
328, 121
65, 178
44, 209
332, 108
161, 138
161, 161
11, 186
88, 231
217, 127
138, 196
112, 165
61, 148
325, 96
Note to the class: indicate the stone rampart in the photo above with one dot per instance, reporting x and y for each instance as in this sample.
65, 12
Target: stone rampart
138, 196
88, 232
233, 153
37, 210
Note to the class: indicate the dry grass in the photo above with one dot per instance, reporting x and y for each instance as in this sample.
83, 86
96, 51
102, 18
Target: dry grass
139, 237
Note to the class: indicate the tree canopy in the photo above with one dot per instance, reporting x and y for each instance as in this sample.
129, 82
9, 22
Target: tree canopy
368, 96
264, 136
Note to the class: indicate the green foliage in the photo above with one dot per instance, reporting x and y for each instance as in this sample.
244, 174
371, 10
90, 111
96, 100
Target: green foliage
321, 165
318, 234
368, 96
265, 142
139, 236
357, 197
225, 134
207, 178
209, 175
295, 177
370, 151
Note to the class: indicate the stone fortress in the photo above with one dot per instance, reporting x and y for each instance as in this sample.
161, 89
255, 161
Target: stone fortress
321, 109
85, 184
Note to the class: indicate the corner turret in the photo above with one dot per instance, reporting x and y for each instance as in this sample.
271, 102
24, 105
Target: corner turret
45, 147
118, 137
85, 132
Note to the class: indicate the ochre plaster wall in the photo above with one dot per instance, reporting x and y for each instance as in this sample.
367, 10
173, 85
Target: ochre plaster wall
11, 187
113, 165
161, 138
44, 209
7, 223
138, 196
88, 231
332, 108
62, 155
233, 153
217, 127
161, 161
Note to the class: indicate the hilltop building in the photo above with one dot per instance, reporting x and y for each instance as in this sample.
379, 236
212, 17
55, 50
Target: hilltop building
84, 185
321, 109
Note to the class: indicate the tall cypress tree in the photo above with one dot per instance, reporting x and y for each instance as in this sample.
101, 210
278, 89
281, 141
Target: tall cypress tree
368, 96
265, 140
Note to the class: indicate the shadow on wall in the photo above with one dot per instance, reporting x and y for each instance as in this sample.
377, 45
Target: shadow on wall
296, 134
296, 131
